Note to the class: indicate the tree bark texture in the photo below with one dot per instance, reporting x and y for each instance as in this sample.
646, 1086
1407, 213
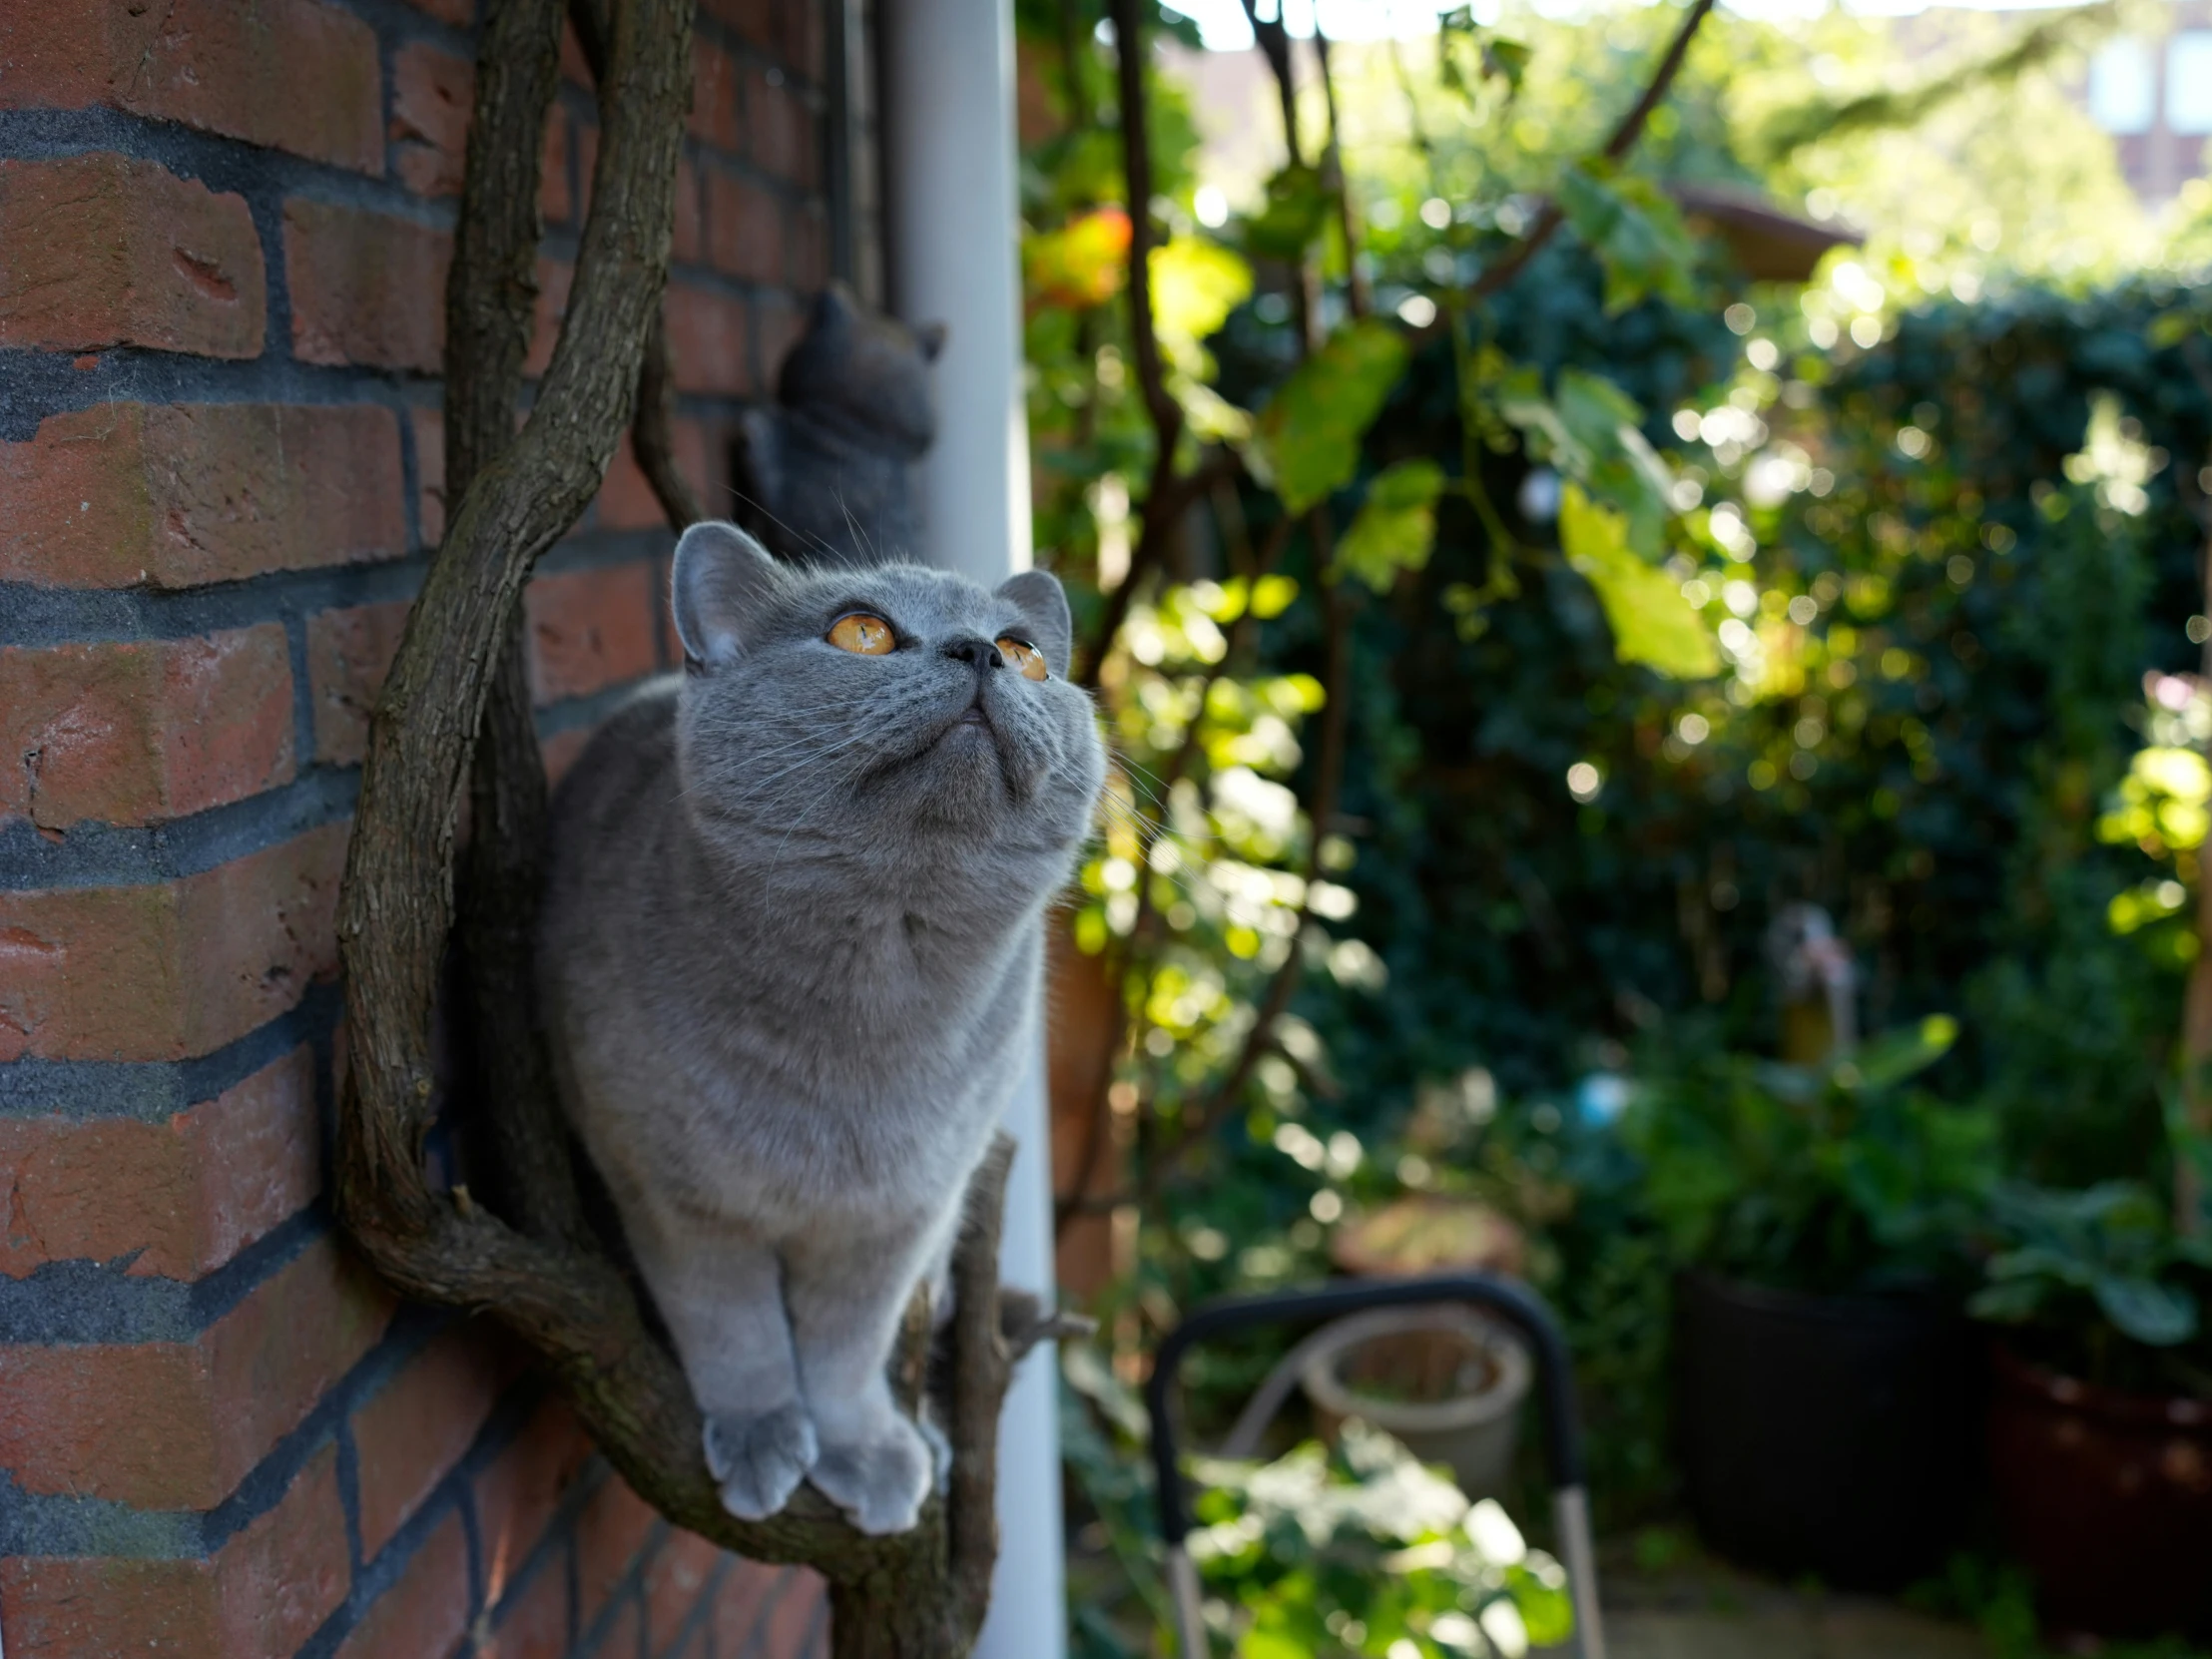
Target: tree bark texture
455, 714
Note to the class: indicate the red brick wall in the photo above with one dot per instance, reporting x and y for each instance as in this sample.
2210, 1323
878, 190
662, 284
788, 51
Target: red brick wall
224, 228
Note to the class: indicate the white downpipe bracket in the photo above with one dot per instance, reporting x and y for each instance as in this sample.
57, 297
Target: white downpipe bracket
953, 256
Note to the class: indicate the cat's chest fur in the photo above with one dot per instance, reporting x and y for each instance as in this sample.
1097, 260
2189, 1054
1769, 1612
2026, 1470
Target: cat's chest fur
773, 1053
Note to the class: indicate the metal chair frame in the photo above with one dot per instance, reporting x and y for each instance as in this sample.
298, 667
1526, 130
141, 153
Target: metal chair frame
1504, 1300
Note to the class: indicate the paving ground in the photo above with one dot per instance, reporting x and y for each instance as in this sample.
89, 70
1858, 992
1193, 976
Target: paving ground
1706, 1611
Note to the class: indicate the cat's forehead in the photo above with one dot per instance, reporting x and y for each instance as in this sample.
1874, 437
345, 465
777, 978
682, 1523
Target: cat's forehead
913, 596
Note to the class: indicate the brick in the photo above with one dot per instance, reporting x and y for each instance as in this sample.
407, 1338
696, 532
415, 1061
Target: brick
173, 497
517, 1496
545, 324
560, 751
177, 1425
575, 67
429, 437
349, 654
533, 1622
626, 499
754, 19
806, 42
366, 287
707, 341
797, 1613
591, 629
168, 971
738, 1605
806, 253
780, 325
262, 1595
424, 1616
780, 127
556, 200
674, 1584
100, 251
293, 75
745, 227
146, 730
178, 1199
610, 1532
431, 95
714, 105
688, 242
587, 158
420, 1423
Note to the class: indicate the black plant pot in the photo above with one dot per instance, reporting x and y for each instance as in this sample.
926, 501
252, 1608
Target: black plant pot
1830, 1436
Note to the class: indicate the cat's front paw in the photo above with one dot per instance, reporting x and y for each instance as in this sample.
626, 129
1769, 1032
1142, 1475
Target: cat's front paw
879, 1479
758, 1461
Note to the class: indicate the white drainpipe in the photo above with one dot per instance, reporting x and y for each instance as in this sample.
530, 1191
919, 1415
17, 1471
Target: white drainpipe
953, 256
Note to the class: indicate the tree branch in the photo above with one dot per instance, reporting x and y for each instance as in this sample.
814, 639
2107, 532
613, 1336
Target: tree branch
490, 299
916, 1596
1359, 301
1320, 813
1067, 1205
1624, 136
653, 427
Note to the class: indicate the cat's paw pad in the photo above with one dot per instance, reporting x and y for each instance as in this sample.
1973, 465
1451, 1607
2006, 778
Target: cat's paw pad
758, 1461
879, 1480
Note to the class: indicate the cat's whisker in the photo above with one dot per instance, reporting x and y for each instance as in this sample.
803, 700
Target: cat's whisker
789, 529
854, 524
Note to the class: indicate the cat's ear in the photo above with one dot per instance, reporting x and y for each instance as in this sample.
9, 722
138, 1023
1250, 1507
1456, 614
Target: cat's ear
930, 337
834, 307
722, 579
1044, 609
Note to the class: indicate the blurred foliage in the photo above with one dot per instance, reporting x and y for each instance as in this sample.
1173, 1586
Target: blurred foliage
1663, 600
1832, 1179
1359, 1549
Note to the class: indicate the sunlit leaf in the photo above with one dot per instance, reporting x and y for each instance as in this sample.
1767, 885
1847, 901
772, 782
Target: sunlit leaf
1196, 283
1894, 1056
1652, 623
1397, 525
1081, 264
1312, 427
1637, 233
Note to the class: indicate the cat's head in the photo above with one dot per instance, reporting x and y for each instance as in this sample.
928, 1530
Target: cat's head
891, 710
865, 375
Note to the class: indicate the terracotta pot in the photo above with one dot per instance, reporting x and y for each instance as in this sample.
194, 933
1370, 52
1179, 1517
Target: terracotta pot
2106, 1499
1466, 1377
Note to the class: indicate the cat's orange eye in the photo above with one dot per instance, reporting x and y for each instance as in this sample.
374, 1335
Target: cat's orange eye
863, 635
1023, 656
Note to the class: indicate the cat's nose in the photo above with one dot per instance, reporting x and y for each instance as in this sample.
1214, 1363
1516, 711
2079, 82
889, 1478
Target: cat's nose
975, 651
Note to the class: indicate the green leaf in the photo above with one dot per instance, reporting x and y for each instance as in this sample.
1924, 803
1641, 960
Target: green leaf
1268, 1644
1396, 528
2151, 1312
1637, 233
1592, 433
1311, 429
1652, 623
1297, 207
1196, 283
1896, 1055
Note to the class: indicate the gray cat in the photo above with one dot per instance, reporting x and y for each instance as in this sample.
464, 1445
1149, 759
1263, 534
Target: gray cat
789, 956
826, 473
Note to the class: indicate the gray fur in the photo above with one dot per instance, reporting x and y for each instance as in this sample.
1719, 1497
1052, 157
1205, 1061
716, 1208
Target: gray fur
827, 471
789, 956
